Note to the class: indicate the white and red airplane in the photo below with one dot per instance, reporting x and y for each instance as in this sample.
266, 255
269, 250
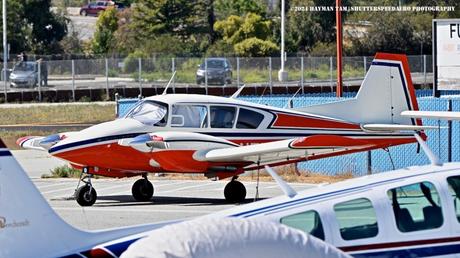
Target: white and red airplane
224, 137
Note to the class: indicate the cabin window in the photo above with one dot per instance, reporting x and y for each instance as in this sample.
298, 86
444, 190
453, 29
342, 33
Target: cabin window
193, 116
308, 222
149, 113
416, 207
248, 119
222, 116
356, 219
454, 189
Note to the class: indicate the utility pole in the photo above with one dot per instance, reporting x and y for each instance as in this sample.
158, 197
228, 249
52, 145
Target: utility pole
338, 18
282, 74
5, 52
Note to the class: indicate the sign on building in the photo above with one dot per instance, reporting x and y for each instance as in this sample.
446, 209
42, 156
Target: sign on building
446, 55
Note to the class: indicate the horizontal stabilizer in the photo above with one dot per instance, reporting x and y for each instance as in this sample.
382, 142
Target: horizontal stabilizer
396, 128
440, 115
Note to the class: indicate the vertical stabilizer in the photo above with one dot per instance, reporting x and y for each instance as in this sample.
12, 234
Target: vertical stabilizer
385, 92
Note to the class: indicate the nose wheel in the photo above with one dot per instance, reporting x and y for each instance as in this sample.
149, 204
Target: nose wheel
85, 195
235, 191
142, 190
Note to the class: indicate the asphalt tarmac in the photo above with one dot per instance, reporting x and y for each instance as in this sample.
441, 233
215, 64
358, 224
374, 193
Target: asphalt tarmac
115, 207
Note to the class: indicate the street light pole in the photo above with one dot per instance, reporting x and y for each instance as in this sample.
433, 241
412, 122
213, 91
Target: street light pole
5, 50
282, 75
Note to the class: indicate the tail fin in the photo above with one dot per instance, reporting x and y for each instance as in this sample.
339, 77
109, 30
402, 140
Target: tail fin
386, 91
30, 228
28, 225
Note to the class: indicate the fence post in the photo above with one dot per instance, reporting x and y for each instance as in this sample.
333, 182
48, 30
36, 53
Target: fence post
206, 75
369, 162
39, 81
73, 80
173, 69
301, 74
424, 70
449, 133
107, 78
237, 72
270, 74
330, 72
140, 76
365, 65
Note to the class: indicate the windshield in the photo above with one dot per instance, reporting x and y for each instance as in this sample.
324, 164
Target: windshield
214, 64
149, 113
24, 67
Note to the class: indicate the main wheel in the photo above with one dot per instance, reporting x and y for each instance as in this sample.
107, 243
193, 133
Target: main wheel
86, 195
142, 190
235, 192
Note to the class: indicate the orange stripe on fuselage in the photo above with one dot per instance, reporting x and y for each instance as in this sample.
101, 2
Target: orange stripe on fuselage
300, 121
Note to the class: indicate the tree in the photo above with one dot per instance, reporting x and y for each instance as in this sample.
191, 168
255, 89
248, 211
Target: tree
106, 25
17, 31
249, 35
225, 8
47, 28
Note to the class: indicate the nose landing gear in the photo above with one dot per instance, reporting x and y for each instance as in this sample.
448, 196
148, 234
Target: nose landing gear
85, 195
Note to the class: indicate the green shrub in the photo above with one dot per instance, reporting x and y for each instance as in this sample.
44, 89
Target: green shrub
63, 172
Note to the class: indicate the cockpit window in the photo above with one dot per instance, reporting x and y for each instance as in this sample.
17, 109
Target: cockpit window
194, 116
149, 113
222, 116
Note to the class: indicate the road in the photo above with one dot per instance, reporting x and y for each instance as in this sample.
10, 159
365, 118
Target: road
84, 26
173, 199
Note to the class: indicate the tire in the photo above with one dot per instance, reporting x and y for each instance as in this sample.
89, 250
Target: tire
85, 197
142, 190
83, 13
235, 192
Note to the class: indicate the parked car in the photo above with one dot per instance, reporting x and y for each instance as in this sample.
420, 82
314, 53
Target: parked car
25, 74
219, 71
94, 8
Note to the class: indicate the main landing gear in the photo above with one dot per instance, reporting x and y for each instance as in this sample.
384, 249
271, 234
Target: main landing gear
234, 191
142, 189
86, 195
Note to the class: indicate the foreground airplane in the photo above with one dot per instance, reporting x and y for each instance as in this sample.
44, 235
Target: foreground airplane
410, 212
30, 228
224, 137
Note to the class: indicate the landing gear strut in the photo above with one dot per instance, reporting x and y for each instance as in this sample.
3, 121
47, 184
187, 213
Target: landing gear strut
142, 189
235, 191
85, 195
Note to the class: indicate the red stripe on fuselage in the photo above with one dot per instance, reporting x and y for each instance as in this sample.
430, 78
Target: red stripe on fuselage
299, 121
399, 244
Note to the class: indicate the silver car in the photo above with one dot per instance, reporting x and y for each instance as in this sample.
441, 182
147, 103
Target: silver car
24, 74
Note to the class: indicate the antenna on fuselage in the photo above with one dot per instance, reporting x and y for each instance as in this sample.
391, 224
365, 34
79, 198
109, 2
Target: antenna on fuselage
237, 93
288, 103
434, 160
287, 189
169, 83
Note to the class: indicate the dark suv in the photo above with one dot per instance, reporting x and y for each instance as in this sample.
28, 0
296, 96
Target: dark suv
219, 71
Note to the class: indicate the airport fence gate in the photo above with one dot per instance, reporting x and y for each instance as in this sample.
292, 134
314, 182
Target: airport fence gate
444, 142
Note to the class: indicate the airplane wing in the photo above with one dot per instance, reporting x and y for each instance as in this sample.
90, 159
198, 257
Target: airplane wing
285, 150
43, 143
181, 152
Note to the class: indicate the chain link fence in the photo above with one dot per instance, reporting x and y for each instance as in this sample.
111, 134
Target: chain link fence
139, 73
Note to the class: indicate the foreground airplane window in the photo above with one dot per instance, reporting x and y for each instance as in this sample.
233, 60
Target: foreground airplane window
308, 222
416, 207
357, 219
454, 189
